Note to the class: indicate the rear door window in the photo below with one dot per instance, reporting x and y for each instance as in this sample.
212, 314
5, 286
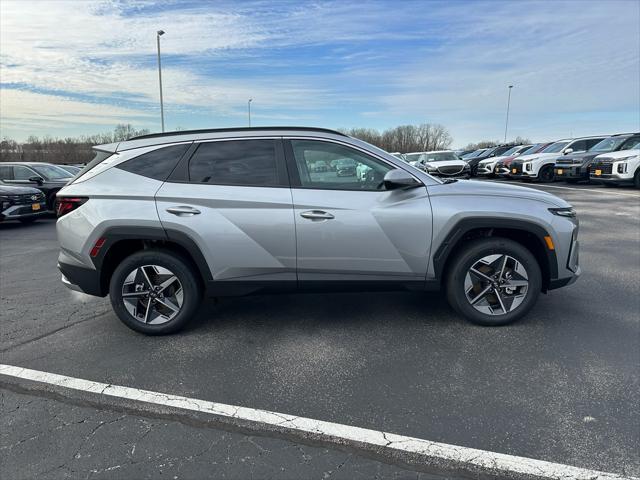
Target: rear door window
236, 162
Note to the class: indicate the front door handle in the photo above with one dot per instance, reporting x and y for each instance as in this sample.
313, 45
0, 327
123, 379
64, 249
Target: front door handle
317, 215
183, 211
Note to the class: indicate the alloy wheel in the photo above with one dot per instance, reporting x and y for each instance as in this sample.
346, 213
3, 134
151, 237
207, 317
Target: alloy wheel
152, 294
496, 284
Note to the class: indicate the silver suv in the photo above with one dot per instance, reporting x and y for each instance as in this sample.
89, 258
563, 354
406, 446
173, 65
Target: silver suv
160, 220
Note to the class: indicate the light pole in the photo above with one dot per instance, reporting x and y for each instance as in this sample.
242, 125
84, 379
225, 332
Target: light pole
249, 108
506, 125
158, 35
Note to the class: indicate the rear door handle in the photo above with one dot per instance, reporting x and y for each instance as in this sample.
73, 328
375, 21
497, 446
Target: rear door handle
183, 211
317, 215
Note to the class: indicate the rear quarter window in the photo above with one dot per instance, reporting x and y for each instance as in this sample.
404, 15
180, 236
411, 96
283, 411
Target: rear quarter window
157, 164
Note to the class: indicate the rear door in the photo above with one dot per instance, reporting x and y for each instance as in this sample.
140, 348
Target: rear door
232, 198
349, 228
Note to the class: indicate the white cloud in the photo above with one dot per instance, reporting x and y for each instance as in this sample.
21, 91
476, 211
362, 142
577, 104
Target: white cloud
371, 64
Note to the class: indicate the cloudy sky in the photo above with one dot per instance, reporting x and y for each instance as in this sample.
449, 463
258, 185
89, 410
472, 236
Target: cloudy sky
81, 67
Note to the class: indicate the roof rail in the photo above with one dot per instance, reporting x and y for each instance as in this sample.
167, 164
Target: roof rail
237, 129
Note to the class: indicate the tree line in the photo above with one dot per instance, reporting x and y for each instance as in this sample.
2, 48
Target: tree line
404, 139
63, 150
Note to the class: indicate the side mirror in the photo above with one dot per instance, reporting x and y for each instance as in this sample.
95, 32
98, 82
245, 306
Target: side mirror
36, 179
395, 179
567, 151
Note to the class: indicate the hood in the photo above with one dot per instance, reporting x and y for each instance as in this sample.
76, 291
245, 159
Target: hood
619, 154
494, 159
11, 190
445, 163
475, 188
577, 156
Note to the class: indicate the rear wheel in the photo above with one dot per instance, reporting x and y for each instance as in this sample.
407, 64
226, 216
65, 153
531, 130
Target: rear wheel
155, 292
546, 174
494, 281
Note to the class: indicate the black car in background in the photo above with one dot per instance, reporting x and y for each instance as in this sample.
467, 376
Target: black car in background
490, 152
25, 204
575, 167
46, 177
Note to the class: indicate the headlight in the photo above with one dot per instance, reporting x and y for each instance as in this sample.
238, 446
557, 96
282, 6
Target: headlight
466, 166
622, 167
527, 167
564, 212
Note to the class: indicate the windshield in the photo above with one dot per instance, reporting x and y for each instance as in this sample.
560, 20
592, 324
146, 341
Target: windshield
555, 147
608, 144
511, 151
51, 172
476, 153
440, 156
412, 157
346, 162
631, 143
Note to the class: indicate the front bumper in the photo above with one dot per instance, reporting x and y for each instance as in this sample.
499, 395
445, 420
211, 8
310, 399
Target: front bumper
486, 170
19, 212
611, 178
571, 172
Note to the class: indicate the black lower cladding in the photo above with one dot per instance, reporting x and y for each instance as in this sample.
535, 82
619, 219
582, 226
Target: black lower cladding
86, 278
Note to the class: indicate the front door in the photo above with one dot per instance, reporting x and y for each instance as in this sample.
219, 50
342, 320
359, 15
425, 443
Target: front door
348, 227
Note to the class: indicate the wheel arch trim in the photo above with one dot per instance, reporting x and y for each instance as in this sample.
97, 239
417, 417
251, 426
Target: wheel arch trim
466, 225
114, 235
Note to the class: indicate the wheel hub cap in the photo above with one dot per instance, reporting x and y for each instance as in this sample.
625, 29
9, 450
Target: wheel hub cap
152, 294
496, 284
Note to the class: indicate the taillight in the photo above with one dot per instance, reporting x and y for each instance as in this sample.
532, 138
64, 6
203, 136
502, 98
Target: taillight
68, 204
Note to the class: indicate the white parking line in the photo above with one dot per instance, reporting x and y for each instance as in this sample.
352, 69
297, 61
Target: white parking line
426, 452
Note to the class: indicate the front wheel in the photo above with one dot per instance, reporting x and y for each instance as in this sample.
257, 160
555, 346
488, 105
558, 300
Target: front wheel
636, 179
155, 292
546, 175
493, 281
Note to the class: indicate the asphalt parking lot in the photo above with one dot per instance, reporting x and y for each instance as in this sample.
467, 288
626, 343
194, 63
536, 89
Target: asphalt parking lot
561, 385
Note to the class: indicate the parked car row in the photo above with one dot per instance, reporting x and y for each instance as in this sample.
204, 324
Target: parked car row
28, 189
612, 160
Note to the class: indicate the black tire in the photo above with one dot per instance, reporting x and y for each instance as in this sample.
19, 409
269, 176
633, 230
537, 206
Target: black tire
636, 179
52, 201
27, 221
546, 174
472, 253
180, 267
572, 180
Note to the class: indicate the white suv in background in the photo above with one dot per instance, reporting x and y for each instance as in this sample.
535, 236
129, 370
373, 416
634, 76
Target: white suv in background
617, 168
539, 166
487, 166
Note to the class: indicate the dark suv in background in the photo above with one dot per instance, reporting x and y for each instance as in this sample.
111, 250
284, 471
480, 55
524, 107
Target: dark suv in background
576, 167
46, 177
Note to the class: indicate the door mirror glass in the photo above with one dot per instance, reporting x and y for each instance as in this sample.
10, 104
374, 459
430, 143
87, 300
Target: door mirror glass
395, 179
36, 179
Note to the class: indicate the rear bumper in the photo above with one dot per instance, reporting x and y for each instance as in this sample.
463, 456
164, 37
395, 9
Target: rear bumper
80, 279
